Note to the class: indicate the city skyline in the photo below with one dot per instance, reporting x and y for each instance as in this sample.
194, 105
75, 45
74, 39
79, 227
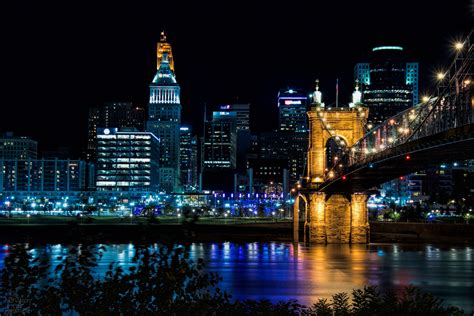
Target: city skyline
110, 62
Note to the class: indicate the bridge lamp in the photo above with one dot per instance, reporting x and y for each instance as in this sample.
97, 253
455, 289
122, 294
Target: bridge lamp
440, 75
458, 45
425, 98
331, 174
371, 165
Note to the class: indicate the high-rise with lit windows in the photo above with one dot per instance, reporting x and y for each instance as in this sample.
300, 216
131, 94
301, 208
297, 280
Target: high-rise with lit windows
292, 106
188, 159
12, 147
389, 83
164, 120
127, 160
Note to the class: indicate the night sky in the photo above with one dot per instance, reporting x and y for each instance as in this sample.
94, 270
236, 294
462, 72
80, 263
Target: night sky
57, 60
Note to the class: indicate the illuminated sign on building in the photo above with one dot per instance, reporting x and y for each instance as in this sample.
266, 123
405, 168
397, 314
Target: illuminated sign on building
291, 102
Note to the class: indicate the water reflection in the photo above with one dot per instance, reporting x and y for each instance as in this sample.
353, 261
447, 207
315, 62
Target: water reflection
282, 271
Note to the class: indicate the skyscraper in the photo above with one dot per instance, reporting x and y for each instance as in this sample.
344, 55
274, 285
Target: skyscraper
242, 115
292, 105
242, 120
164, 120
188, 159
220, 141
112, 114
389, 83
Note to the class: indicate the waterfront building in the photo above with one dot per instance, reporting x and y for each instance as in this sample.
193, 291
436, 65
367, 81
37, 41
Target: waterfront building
12, 147
127, 160
44, 175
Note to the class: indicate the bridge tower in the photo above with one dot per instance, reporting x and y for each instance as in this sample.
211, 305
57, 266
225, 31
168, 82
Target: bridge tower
340, 217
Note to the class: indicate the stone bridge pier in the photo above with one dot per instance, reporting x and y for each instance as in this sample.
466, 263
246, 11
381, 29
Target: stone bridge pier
336, 219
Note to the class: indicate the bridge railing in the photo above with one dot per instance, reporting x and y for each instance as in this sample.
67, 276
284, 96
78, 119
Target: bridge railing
451, 108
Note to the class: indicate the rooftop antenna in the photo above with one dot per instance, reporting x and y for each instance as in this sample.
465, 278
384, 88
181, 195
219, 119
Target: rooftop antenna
337, 92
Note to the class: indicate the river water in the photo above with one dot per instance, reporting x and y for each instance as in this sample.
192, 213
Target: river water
283, 271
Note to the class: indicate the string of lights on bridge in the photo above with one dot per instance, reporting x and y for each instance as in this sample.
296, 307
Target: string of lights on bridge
400, 128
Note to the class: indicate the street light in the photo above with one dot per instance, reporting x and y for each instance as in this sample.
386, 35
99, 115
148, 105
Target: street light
440, 75
458, 45
28, 218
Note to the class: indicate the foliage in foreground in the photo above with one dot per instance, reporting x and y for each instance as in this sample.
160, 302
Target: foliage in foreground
164, 281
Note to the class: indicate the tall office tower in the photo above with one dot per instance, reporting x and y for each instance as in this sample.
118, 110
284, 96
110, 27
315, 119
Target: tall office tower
93, 122
242, 113
219, 151
163, 47
292, 106
188, 159
127, 160
389, 83
12, 147
164, 120
288, 146
220, 141
112, 114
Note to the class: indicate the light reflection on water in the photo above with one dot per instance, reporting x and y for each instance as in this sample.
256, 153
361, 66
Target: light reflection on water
282, 271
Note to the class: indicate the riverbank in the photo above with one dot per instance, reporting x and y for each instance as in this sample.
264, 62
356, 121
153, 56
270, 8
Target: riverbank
206, 231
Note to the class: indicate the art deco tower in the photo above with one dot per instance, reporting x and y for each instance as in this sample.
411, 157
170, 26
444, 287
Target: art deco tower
162, 48
164, 120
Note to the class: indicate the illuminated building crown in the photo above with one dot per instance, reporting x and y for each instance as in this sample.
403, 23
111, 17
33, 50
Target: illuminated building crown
164, 75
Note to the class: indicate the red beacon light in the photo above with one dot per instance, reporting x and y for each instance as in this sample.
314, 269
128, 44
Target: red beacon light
344, 178
407, 157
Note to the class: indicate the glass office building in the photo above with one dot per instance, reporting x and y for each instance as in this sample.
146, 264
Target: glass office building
127, 160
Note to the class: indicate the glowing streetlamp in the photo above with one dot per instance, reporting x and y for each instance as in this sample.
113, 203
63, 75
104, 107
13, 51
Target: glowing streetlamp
440, 75
458, 45
425, 98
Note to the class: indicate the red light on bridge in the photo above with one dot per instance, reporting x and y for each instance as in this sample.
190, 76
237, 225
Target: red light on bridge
407, 157
344, 178
401, 178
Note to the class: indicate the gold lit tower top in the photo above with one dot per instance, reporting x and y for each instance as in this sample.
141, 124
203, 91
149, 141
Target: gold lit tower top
164, 47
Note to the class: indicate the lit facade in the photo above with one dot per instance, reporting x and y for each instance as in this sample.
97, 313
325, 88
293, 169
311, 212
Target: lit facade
288, 146
12, 147
292, 106
41, 175
127, 160
163, 47
164, 120
242, 112
112, 114
220, 142
389, 83
188, 159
